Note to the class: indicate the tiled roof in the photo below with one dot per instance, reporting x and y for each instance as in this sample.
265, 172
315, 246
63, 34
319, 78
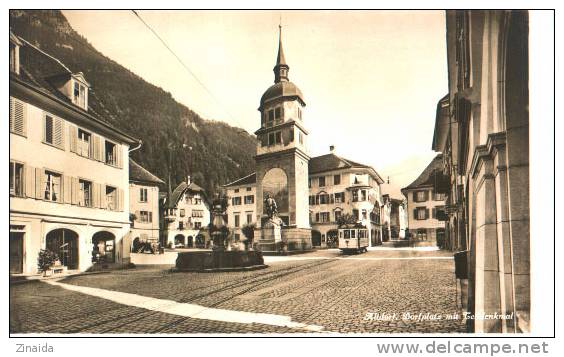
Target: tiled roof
41, 70
179, 191
426, 177
247, 180
140, 174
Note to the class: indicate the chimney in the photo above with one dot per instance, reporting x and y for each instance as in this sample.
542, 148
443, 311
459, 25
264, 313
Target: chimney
188, 180
332, 149
388, 180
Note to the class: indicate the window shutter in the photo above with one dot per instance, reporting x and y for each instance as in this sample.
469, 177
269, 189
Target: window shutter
317, 217
434, 212
95, 147
119, 158
58, 130
414, 196
150, 217
67, 189
426, 213
426, 195
17, 116
95, 195
29, 177
74, 190
149, 189
415, 213
120, 199
103, 201
102, 151
73, 137
39, 183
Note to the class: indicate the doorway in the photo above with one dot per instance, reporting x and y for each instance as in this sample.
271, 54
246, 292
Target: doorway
16, 252
64, 243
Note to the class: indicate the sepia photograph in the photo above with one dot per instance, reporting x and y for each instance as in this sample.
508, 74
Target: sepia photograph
270, 172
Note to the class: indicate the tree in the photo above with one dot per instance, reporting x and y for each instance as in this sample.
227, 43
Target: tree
346, 219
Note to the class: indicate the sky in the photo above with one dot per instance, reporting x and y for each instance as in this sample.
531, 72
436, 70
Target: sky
371, 79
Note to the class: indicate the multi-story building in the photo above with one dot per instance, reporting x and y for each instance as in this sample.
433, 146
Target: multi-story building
143, 205
337, 186
242, 206
482, 129
394, 213
426, 207
186, 216
68, 167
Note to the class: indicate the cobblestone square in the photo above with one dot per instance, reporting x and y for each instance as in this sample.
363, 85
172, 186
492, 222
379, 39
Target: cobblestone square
343, 294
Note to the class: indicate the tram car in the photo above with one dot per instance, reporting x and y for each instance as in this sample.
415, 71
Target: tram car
353, 239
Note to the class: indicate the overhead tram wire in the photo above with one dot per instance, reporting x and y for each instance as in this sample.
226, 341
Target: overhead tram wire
183, 64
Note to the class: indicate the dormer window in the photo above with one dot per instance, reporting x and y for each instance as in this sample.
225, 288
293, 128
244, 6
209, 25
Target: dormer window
15, 44
79, 94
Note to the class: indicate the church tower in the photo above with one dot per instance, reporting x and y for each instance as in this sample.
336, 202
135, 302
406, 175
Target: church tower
282, 158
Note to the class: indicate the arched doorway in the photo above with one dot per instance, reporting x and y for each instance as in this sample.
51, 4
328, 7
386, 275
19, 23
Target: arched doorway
179, 241
316, 238
135, 245
190, 243
103, 249
64, 243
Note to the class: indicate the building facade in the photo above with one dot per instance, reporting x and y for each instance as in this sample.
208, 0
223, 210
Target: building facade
68, 168
337, 186
186, 216
394, 213
143, 205
241, 210
426, 207
282, 159
482, 129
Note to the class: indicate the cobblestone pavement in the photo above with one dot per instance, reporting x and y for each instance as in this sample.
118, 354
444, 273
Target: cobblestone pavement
341, 293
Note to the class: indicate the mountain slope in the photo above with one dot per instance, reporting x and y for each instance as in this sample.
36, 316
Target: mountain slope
220, 153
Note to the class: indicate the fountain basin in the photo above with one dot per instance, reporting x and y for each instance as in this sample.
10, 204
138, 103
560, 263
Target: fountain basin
210, 261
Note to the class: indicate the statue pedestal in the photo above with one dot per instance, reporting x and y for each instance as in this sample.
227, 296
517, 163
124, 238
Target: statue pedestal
274, 231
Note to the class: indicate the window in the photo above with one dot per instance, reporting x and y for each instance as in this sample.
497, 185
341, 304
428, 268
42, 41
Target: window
337, 215
355, 214
439, 196
278, 115
249, 218
236, 190
142, 194
147, 217
324, 217
420, 196
323, 198
197, 200
237, 220
14, 58
299, 113
270, 118
291, 135
271, 139
84, 143
197, 225
16, 179
421, 213
236, 201
322, 181
85, 193
197, 213
79, 95
336, 179
181, 225
249, 188
111, 154
182, 212
278, 136
111, 198
250, 199
17, 117
363, 195
364, 214
309, 183
54, 129
355, 195
52, 186
339, 197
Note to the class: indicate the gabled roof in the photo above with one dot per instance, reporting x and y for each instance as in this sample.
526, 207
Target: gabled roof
179, 191
331, 162
247, 180
425, 179
40, 71
138, 173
